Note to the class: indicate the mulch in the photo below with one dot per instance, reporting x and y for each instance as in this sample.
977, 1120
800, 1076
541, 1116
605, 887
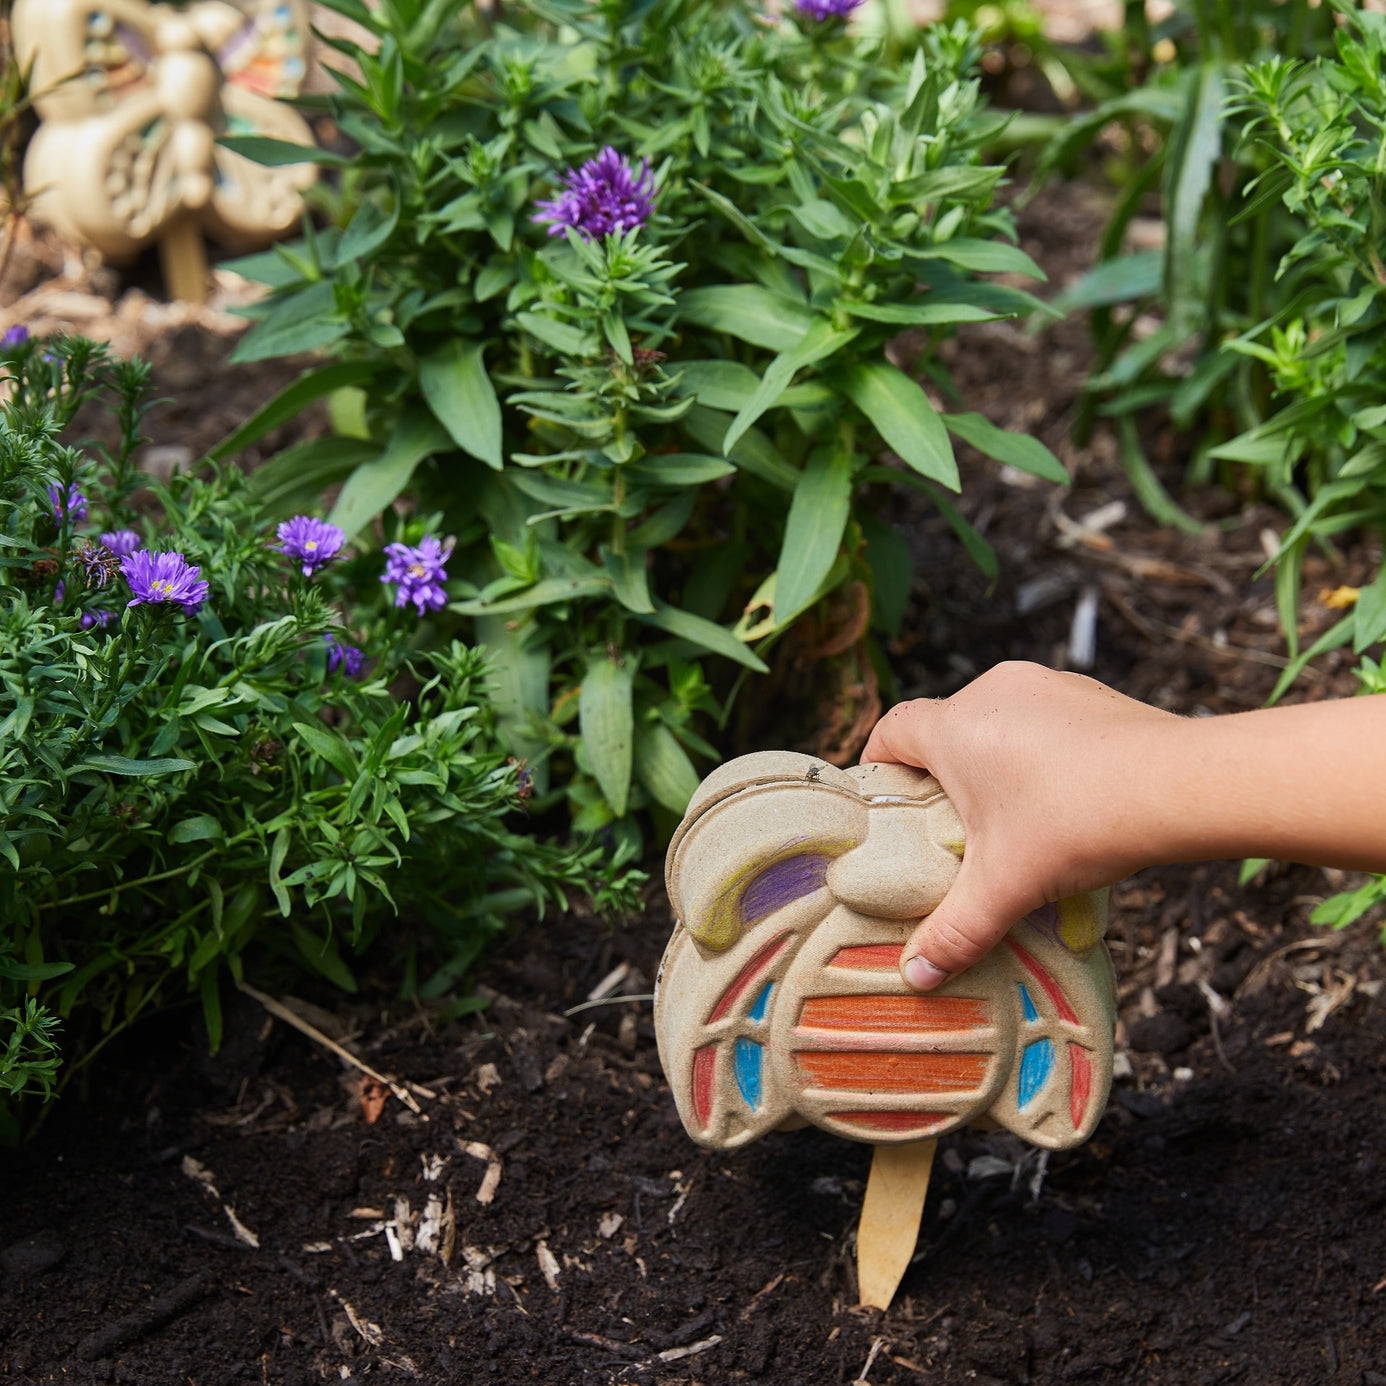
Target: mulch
236, 1218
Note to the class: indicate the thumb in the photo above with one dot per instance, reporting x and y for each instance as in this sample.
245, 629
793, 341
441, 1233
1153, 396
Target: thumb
971, 919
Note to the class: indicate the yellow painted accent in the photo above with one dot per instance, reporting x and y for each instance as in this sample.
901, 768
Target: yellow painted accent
957, 848
718, 925
1080, 923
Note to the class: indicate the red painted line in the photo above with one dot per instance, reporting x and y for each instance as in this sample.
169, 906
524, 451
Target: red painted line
876, 956
747, 975
1081, 1090
923, 1122
704, 1071
1051, 987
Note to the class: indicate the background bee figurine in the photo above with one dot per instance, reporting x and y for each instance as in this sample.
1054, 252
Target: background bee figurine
133, 96
780, 1002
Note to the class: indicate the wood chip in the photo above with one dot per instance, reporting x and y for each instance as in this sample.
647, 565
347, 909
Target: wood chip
487, 1077
478, 1151
692, 1350
548, 1264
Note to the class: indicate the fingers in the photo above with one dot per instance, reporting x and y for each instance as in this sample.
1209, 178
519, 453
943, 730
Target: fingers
959, 933
904, 733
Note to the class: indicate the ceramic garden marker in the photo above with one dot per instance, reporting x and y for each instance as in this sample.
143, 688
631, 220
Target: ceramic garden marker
133, 95
780, 1003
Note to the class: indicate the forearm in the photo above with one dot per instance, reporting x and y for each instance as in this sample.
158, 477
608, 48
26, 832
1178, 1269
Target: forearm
1304, 783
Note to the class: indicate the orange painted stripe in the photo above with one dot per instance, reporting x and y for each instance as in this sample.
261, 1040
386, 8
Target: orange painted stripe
885, 1072
1081, 1090
876, 956
905, 1013
922, 1122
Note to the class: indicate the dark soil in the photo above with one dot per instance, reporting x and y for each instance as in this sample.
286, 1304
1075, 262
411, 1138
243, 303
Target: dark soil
1225, 1223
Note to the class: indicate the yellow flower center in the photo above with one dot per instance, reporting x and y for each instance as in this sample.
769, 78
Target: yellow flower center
416, 570
311, 545
160, 586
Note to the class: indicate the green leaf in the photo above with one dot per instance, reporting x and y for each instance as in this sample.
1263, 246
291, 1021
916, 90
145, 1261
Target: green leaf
607, 720
327, 745
903, 416
822, 339
278, 852
561, 336
301, 321
628, 577
312, 384
1369, 615
123, 765
983, 257
201, 827
891, 562
1015, 449
261, 149
374, 485
210, 994
16, 971
813, 532
292, 480
708, 635
678, 469
1196, 149
726, 385
1149, 489
924, 313
663, 767
322, 954
546, 593
367, 231
748, 311
1119, 280
458, 389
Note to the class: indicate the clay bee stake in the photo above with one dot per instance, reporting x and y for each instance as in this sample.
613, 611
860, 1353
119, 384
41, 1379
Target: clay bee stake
780, 1002
890, 1214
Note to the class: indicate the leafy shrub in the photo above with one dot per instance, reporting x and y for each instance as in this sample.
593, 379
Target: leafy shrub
202, 732
1160, 315
613, 283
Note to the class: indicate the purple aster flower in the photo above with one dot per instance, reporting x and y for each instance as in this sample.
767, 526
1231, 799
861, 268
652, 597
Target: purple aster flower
59, 592
99, 619
419, 572
347, 657
122, 541
826, 9
606, 195
15, 336
315, 543
71, 507
163, 577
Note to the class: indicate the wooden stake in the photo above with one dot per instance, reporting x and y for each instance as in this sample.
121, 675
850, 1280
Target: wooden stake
890, 1215
183, 257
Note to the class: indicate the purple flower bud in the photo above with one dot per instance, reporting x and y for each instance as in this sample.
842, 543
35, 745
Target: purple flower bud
71, 507
345, 657
164, 577
122, 541
314, 543
420, 573
826, 9
15, 336
99, 619
605, 196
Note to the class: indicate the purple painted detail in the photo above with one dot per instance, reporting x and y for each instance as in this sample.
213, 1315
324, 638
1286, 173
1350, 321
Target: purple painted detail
1045, 922
781, 883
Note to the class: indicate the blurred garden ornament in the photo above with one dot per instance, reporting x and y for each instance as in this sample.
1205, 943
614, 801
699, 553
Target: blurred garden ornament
133, 96
780, 1003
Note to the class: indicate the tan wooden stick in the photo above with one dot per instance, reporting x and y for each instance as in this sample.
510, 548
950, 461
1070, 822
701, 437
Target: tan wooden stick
183, 258
890, 1215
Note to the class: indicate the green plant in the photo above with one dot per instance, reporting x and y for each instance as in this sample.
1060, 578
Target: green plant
197, 768
655, 445
1160, 315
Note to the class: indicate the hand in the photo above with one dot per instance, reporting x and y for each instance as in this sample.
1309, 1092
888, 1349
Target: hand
1046, 770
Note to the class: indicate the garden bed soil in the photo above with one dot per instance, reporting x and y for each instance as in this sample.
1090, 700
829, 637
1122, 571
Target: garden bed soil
1224, 1224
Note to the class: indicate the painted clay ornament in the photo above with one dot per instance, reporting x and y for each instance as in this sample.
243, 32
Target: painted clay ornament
133, 95
780, 1003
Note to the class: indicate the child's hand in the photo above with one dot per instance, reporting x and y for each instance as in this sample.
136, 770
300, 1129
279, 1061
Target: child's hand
1047, 772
